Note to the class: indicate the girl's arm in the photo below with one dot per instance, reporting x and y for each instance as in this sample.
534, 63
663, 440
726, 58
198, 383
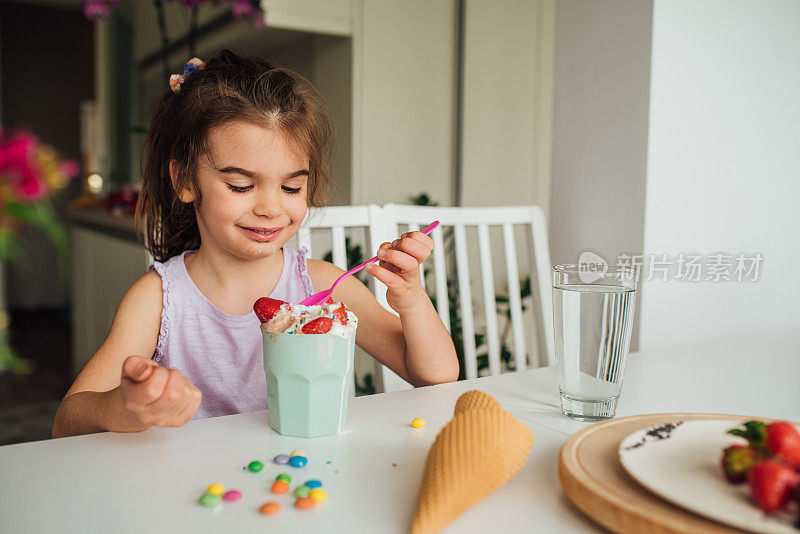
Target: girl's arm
416, 346
121, 388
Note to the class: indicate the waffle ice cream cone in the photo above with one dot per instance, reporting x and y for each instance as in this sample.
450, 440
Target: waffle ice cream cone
478, 451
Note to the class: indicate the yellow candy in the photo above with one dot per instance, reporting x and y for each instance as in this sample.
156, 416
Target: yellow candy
318, 494
298, 452
216, 489
418, 422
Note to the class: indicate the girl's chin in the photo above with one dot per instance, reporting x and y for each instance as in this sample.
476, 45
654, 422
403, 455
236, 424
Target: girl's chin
260, 250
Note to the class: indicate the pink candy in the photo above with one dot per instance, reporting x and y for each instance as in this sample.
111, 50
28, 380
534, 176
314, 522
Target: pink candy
232, 495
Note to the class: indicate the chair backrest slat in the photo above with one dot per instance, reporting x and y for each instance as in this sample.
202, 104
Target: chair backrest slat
440, 272
489, 303
540, 257
339, 249
465, 302
514, 300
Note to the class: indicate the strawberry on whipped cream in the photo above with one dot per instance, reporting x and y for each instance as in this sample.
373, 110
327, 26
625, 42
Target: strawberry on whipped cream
331, 318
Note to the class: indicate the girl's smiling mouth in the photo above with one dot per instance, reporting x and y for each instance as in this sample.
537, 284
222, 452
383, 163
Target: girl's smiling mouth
261, 234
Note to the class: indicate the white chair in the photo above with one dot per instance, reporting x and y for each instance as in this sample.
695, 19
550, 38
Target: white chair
414, 217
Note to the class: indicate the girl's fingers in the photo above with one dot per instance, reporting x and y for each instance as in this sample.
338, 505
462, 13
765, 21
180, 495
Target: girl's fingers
422, 238
392, 280
172, 415
175, 392
185, 415
148, 391
183, 412
405, 262
414, 247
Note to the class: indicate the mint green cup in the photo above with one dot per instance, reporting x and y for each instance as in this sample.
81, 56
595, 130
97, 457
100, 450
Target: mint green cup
308, 382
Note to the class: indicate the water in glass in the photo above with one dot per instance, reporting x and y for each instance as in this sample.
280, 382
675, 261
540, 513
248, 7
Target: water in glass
593, 333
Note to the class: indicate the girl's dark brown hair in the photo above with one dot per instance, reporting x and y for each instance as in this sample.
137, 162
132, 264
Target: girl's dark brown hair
229, 88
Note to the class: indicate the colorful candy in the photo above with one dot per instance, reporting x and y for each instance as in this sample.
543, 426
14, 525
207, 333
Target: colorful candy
418, 422
270, 508
232, 495
255, 466
216, 489
209, 499
298, 452
298, 461
302, 491
304, 503
314, 484
286, 478
280, 487
318, 495
281, 459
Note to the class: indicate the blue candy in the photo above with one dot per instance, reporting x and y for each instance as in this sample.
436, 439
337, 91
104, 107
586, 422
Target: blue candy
298, 461
313, 484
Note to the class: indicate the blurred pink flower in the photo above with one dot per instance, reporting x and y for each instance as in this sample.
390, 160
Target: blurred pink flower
69, 168
31, 185
246, 9
16, 152
26, 165
93, 9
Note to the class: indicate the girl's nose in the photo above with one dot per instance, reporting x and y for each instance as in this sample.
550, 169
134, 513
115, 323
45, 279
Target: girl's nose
268, 202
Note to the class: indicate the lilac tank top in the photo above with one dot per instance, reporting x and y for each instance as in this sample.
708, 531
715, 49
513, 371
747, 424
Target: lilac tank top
221, 354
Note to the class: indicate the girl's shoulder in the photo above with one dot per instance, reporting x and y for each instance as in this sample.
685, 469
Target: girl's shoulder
143, 300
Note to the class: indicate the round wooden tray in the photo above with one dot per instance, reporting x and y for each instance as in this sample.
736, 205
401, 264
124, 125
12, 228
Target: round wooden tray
594, 479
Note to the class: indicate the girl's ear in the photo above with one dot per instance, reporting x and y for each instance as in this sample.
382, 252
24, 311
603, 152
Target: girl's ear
185, 194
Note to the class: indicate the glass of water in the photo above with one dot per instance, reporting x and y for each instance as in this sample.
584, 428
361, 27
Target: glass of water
593, 319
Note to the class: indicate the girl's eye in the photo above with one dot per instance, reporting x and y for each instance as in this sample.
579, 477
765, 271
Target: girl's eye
291, 190
237, 189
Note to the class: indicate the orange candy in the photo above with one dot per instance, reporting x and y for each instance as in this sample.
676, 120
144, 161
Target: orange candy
304, 503
270, 508
280, 486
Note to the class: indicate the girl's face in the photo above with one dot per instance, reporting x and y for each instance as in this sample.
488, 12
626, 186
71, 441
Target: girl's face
254, 190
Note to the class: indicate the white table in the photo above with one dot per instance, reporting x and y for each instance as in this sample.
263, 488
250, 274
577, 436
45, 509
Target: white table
150, 481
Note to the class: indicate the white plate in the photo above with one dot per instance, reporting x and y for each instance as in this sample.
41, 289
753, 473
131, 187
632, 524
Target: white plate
680, 463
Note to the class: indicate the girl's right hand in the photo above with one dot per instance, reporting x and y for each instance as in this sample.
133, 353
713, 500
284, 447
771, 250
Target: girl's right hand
153, 395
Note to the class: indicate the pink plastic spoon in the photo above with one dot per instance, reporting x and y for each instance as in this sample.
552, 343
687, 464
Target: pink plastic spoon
322, 296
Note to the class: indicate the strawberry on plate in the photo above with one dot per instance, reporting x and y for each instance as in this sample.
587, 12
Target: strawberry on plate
266, 308
779, 438
320, 325
736, 461
772, 483
783, 440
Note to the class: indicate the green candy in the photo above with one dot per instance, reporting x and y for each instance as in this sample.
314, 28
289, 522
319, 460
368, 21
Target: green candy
302, 491
286, 478
255, 466
209, 499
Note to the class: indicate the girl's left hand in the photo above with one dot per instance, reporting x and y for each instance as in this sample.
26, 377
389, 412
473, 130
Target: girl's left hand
398, 268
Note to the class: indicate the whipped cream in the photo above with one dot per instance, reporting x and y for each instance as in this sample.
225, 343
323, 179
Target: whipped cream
291, 318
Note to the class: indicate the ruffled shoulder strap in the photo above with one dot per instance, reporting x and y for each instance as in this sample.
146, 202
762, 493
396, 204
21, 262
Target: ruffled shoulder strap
302, 270
163, 333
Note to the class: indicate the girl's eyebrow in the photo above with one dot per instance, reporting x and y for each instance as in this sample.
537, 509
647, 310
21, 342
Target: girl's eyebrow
251, 174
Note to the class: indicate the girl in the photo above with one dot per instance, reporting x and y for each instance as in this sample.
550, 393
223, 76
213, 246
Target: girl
235, 154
